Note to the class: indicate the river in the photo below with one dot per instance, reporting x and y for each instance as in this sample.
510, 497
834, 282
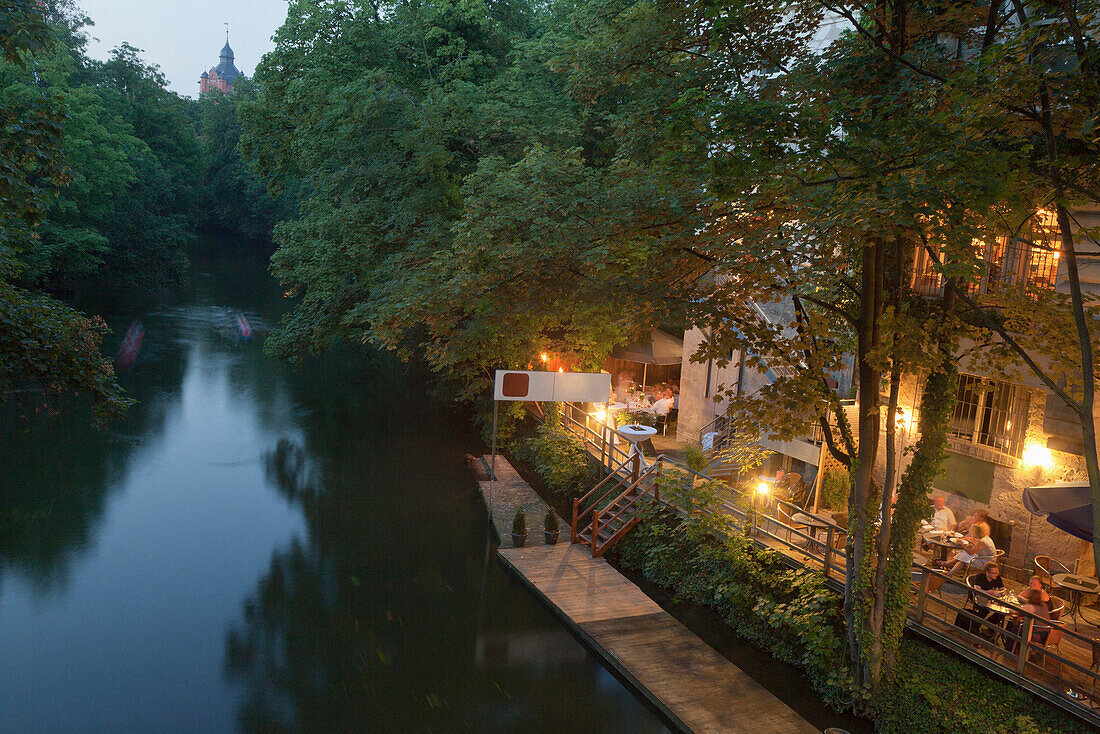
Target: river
261, 548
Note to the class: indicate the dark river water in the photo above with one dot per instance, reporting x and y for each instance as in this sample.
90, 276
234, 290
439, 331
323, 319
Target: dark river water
259, 548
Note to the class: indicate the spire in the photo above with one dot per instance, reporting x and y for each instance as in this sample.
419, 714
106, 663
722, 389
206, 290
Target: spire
227, 52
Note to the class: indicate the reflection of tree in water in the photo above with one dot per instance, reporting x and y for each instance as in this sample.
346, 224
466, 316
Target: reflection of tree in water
290, 468
373, 624
58, 472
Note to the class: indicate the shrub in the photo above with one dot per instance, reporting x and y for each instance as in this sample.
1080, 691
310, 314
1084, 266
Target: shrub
519, 522
936, 692
835, 487
695, 459
560, 459
551, 524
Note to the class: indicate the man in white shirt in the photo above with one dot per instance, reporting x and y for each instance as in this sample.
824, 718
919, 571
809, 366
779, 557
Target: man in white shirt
944, 519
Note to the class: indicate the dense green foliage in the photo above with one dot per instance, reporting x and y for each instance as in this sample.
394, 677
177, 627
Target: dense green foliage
131, 154
102, 181
457, 200
233, 199
558, 457
834, 488
44, 345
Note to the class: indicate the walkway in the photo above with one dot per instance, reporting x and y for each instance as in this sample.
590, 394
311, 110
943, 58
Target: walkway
692, 684
687, 680
510, 491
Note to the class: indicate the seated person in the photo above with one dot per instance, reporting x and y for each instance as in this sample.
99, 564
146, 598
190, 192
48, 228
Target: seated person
989, 580
974, 518
663, 405
979, 550
1033, 603
1035, 584
944, 519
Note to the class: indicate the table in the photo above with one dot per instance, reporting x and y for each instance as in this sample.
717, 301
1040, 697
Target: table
997, 611
941, 545
1078, 586
813, 522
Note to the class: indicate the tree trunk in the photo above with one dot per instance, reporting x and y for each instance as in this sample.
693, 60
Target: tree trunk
858, 602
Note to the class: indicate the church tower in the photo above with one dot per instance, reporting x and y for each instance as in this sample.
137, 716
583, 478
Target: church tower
224, 74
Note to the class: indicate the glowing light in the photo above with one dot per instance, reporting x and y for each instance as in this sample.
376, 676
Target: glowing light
763, 488
601, 415
545, 357
1035, 454
561, 369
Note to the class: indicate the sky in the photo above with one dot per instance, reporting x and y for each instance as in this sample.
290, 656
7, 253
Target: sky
184, 37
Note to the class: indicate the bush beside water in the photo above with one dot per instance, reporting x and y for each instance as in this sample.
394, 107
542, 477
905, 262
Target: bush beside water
793, 615
559, 459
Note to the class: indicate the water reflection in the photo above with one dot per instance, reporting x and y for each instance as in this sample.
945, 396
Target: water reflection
262, 549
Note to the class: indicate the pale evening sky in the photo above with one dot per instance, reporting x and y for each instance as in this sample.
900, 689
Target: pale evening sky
184, 37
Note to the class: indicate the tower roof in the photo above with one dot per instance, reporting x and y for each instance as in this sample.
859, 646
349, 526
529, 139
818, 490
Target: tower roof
225, 68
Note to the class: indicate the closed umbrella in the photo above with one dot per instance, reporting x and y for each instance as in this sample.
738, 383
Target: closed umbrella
1067, 506
660, 348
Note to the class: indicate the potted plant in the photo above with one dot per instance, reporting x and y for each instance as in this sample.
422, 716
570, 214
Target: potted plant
519, 528
551, 528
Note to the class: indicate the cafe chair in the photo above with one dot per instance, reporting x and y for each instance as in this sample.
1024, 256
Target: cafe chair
785, 517
1045, 566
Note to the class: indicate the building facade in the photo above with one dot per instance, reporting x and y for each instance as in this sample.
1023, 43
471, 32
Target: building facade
1005, 435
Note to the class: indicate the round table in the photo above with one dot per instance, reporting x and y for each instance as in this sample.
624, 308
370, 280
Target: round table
813, 522
1078, 586
941, 545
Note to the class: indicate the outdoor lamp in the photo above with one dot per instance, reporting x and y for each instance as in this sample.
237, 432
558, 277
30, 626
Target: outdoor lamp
601, 415
1035, 454
762, 488
545, 357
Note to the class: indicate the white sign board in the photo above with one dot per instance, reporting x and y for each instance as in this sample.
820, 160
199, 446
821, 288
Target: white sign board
578, 387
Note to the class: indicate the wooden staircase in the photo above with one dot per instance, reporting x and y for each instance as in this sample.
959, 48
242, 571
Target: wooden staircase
610, 509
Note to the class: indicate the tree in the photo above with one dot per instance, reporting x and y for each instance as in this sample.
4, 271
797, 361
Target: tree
43, 343
235, 199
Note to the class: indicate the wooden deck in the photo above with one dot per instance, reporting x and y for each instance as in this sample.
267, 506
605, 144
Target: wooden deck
691, 683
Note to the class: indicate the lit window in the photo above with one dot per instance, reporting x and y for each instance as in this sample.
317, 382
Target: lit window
991, 413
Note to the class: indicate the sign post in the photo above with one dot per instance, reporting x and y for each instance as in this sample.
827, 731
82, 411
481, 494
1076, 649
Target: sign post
521, 385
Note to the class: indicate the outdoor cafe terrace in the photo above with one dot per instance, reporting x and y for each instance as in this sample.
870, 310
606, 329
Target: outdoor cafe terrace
1057, 659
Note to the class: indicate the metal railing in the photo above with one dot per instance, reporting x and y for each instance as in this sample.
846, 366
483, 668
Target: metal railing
1021, 653
1033, 654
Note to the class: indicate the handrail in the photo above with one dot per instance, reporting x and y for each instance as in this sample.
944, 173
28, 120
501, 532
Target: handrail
613, 473
625, 492
768, 531
965, 583
714, 422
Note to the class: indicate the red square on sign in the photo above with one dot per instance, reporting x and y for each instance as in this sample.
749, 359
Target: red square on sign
515, 385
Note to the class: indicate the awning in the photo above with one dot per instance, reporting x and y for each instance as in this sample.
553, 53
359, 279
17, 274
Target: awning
1067, 506
660, 348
